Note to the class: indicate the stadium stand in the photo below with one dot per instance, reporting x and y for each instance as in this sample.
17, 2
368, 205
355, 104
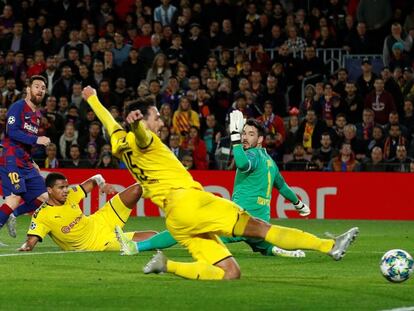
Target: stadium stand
322, 64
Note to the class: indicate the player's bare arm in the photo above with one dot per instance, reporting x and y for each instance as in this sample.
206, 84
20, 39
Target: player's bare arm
97, 180
29, 244
36, 166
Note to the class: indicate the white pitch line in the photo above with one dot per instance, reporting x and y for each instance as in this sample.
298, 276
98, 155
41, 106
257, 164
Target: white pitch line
43, 253
86, 251
401, 309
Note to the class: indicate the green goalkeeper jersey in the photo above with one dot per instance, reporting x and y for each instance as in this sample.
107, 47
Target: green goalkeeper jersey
256, 176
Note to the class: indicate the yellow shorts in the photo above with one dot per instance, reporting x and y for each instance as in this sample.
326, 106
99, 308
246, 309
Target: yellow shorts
196, 218
113, 213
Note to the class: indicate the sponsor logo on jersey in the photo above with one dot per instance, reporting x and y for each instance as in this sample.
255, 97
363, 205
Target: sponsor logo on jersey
11, 120
30, 128
66, 229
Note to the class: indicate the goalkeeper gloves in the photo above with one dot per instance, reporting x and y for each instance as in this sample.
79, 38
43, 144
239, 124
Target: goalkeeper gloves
302, 208
236, 126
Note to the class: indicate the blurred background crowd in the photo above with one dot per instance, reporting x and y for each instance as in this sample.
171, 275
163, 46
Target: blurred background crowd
331, 80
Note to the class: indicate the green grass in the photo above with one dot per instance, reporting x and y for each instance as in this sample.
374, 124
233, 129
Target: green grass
79, 281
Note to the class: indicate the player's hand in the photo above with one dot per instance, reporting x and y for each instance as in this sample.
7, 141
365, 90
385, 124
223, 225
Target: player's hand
36, 166
108, 189
134, 116
302, 209
236, 121
43, 140
88, 92
236, 125
24, 248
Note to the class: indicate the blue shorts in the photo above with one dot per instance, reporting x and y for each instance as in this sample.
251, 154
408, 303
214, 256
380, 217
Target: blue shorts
26, 183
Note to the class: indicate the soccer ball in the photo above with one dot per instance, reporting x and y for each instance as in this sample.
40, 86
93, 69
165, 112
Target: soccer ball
396, 265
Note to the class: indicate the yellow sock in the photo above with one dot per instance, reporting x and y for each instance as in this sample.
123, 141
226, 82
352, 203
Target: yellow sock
195, 270
289, 238
104, 115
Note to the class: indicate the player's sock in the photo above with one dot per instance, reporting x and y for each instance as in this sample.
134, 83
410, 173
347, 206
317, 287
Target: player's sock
289, 238
104, 115
5, 212
195, 270
159, 241
25, 208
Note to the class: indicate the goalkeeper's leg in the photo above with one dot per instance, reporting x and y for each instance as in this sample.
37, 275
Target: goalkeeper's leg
161, 240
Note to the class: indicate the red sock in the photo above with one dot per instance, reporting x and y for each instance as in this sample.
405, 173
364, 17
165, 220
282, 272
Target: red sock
5, 212
5, 209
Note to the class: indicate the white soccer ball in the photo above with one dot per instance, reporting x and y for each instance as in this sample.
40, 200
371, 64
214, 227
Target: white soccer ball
397, 265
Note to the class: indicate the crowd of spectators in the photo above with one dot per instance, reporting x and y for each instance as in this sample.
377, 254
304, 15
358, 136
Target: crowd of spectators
199, 60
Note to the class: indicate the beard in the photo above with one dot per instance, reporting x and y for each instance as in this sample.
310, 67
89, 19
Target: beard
36, 99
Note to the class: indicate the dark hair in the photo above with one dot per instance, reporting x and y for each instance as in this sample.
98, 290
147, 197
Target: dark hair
257, 125
268, 102
95, 123
52, 177
341, 114
75, 146
37, 77
143, 104
326, 134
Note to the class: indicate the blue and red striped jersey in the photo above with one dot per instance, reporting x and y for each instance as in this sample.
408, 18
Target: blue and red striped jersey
21, 134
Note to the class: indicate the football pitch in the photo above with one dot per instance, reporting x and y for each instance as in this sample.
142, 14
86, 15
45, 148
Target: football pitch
48, 279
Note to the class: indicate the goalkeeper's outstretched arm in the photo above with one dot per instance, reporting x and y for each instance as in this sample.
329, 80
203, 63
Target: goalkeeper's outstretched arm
288, 194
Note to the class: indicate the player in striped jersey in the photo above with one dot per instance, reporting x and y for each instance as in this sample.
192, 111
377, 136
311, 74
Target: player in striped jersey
19, 174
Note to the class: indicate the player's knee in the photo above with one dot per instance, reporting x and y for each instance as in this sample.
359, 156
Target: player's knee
230, 267
256, 228
136, 192
232, 273
13, 201
131, 195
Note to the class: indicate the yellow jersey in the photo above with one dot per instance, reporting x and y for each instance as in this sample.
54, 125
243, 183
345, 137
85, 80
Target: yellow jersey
156, 168
68, 226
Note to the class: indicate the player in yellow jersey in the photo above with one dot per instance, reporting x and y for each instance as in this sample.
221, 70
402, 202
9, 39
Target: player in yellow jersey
61, 217
194, 217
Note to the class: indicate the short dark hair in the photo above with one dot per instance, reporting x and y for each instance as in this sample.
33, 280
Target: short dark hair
259, 126
52, 177
75, 146
95, 123
143, 104
37, 77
